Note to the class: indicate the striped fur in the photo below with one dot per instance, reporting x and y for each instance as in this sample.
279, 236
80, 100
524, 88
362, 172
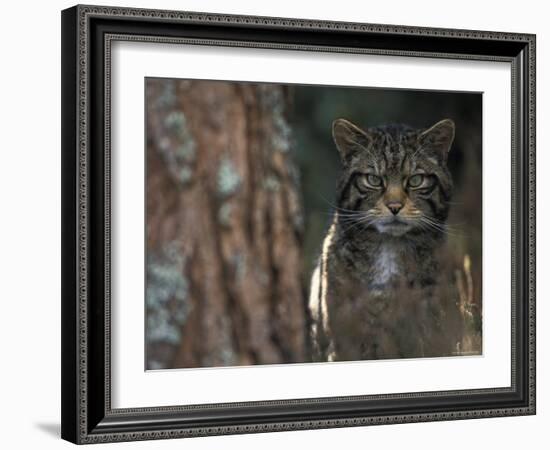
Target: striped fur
318, 295
356, 298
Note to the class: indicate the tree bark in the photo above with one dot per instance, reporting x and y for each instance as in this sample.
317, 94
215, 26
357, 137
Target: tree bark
224, 226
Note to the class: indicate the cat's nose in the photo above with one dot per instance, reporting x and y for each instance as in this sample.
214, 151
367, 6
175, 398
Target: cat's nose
395, 207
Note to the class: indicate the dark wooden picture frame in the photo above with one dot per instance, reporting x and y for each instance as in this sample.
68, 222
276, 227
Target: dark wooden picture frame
87, 34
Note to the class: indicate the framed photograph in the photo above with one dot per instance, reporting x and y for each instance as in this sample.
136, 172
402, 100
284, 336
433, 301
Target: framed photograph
281, 224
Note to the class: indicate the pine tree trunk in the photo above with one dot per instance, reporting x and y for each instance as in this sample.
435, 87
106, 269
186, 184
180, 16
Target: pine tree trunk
224, 225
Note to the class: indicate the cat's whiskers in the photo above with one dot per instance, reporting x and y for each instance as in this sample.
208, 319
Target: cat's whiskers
448, 226
342, 214
359, 225
437, 226
364, 220
430, 222
348, 214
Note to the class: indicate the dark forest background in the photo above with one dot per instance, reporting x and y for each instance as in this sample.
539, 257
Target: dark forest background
240, 182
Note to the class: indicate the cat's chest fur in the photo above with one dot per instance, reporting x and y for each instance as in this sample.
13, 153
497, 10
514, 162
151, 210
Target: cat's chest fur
368, 294
386, 267
380, 266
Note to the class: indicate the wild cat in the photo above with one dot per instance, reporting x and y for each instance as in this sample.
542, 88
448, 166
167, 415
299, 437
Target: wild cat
377, 290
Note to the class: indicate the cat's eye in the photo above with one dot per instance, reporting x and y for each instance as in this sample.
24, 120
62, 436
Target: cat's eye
367, 181
416, 181
373, 180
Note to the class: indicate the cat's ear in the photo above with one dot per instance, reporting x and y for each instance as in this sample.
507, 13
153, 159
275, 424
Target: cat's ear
349, 138
438, 139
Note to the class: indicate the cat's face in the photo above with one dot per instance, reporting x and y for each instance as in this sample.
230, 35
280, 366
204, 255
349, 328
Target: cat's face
395, 178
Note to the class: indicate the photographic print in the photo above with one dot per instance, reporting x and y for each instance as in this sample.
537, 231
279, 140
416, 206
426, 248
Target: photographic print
271, 204
304, 223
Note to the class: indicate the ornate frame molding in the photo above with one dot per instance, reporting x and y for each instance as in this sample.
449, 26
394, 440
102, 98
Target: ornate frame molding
83, 421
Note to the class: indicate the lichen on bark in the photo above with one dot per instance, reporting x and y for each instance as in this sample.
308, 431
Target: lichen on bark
220, 182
